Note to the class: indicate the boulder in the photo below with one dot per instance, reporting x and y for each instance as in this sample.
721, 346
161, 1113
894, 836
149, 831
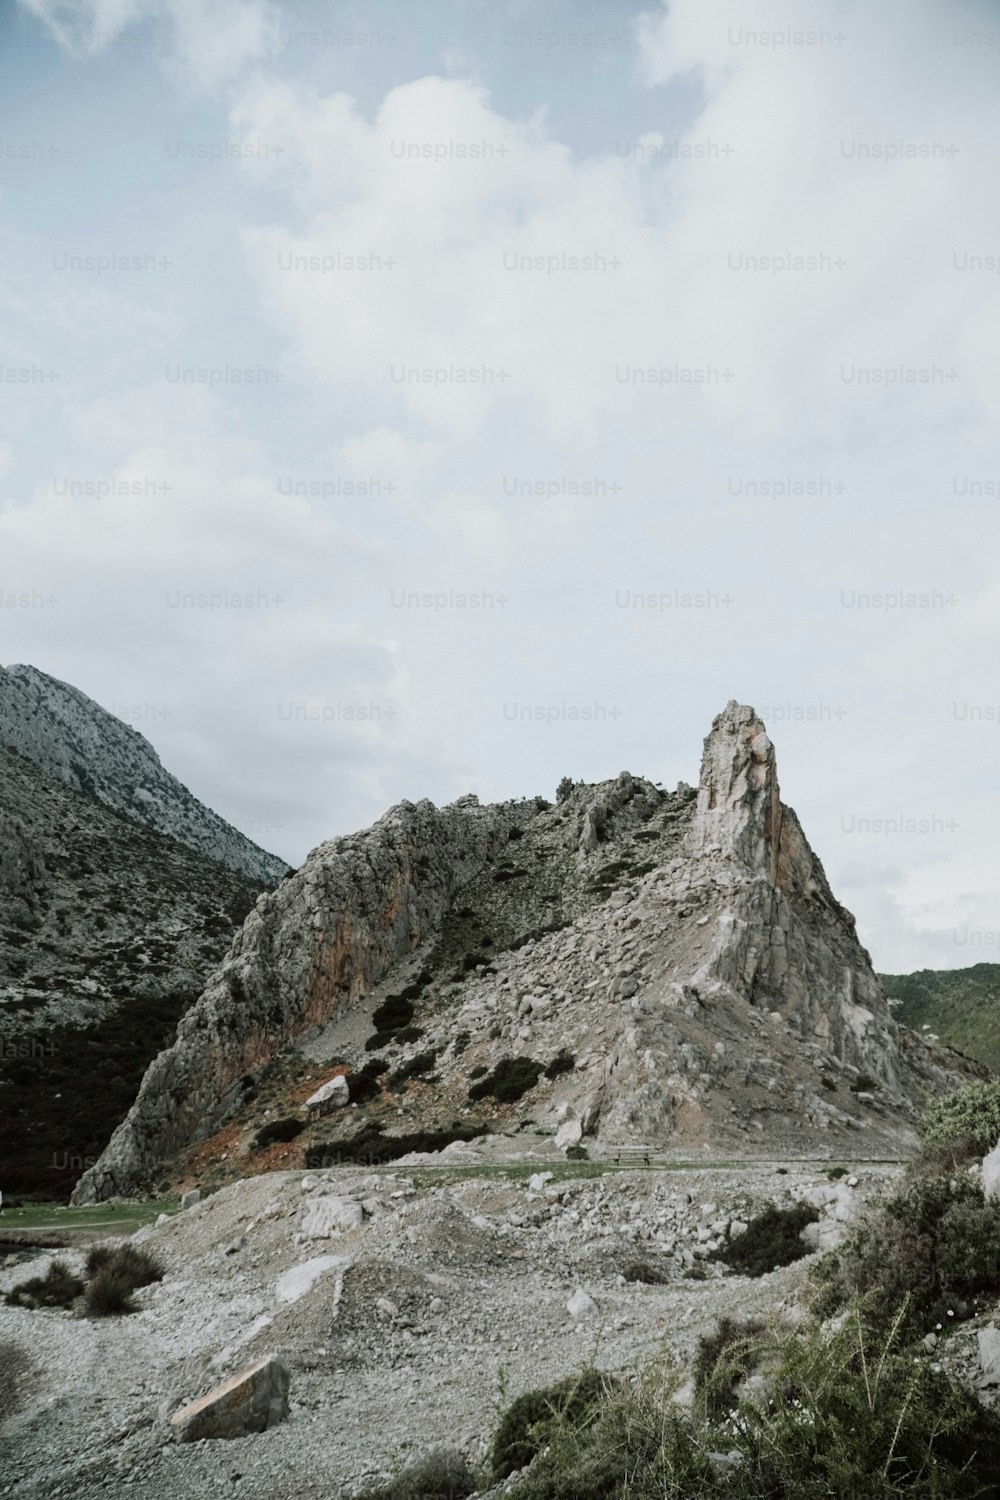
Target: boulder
570, 1133
580, 1305
333, 1094
254, 1399
989, 1356
327, 1215
188, 1200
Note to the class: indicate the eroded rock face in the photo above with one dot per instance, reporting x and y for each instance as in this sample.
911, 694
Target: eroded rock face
664, 968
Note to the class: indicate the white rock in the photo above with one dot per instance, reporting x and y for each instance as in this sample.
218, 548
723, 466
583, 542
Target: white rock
328, 1215
989, 1355
189, 1200
293, 1284
580, 1305
570, 1133
536, 1184
991, 1173
332, 1095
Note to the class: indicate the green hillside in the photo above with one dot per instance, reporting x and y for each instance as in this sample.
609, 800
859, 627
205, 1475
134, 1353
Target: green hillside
961, 1006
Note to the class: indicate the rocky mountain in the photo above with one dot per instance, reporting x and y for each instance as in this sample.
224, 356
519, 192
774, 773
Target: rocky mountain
108, 931
75, 741
960, 1007
627, 966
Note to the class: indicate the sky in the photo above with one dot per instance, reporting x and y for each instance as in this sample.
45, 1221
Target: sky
408, 400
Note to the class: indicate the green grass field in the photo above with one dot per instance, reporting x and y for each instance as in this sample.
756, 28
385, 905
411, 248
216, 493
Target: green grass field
116, 1218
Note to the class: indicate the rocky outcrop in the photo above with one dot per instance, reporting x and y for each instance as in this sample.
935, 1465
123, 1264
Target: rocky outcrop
630, 965
251, 1401
357, 907
75, 741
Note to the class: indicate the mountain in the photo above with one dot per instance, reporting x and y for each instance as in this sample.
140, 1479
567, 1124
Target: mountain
108, 931
74, 740
628, 965
960, 1006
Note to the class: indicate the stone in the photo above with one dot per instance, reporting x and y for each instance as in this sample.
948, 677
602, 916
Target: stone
989, 1356
570, 1133
191, 1198
991, 1173
293, 1284
580, 1305
251, 1401
332, 1095
328, 1215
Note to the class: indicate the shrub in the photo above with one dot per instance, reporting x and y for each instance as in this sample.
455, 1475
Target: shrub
420, 1066
441, 1475
409, 1034
131, 1261
770, 1240
564, 789
563, 1062
110, 1292
642, 1271
863, 1084
510, 1080
369, 1146
364, 1084
460, 1042
278, 1130
577, 1153
846, 1416
57, 1288
722, 1359
394, 1012
934, 1246
526, 1424
836, 1173
828, 1082
966, 1122
478, 1071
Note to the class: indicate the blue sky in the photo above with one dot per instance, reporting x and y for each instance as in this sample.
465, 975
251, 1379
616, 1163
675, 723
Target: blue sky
406, 401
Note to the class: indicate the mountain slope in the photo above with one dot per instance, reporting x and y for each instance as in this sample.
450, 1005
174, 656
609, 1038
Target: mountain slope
73, 739
629, 965
108, 931
960, 1006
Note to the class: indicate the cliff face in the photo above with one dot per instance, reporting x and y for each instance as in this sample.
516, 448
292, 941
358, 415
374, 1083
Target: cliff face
660, 967
75, 741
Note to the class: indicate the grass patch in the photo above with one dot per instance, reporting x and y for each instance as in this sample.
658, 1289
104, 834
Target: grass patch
440, 1475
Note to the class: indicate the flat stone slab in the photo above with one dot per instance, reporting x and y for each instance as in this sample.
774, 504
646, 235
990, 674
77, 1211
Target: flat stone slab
250, 1401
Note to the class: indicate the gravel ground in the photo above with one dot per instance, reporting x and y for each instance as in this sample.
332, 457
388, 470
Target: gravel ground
447, 1300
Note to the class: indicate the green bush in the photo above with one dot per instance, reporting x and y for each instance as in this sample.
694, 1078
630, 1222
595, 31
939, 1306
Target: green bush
843, 1416
363, 1084
369, 1146
110, 1293
770, 1240
828, 1082
57, 1288
722, 1359
394, 1012
934, 1245
863, 1084
642, 1271
511, 1078
563, 1062
131, 1261
527, 1423
278, 1130
577, 1153
420, 1066
441, 1475
966, 1122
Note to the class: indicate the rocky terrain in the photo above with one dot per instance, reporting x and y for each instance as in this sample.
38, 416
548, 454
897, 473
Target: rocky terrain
107, 932
626, 966
408, 1304
73, 740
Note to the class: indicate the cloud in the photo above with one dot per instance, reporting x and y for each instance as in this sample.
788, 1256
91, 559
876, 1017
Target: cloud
210, 44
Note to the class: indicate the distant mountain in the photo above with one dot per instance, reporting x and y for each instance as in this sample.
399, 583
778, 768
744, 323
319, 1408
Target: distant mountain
961, 1006
72, 738
108, 931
